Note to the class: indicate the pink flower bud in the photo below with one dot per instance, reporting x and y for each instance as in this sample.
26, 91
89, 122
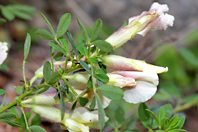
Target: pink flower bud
127, 64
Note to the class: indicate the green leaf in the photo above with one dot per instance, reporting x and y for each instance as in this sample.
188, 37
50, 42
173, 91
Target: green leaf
14, 110
27, 46
7, 13
73, 105
63, 24
119, 117
19, 89
83, 101
47, 70
10, 122
82, 49
101, 113
93, 103
69, 95
54, 77
83, 30
4, 67
72, 42
96, 29
85, 66
111, 92
62, 105
48, 24
7, 115
101, 75
89, 83
22, 15
168, 109
58, 56
36, 120
173, 122
44, 34
154, 116
93, 60
189, 56
181, 122
37, 129
144, 115
103, 45
178, 130
23, 8
2, 91
2, 20
57, 47
64, 43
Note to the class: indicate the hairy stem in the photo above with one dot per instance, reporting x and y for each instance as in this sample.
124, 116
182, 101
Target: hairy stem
5, 107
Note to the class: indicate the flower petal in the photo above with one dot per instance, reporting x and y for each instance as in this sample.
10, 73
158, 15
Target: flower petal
3, 51
74, 126
141, 76
142, 92
84, 116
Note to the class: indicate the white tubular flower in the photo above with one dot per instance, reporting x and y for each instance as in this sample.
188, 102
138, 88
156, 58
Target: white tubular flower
145, 88
3, 51
154, 19
81, 120
127, 64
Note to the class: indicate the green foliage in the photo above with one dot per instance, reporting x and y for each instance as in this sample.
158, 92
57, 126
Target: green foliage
3, 92
21, 11
44, 34
144, 115
63, 25
27, 45
96, 29
103, 45
101, 112
111, 92
36, 128
161, 119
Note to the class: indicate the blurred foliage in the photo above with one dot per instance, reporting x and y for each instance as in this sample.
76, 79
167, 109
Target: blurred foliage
182, 78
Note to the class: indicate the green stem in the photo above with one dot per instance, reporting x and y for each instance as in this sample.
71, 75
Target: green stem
25, 119
186, 106
73, 68
33, 80
52, 64
5, 107
73, 91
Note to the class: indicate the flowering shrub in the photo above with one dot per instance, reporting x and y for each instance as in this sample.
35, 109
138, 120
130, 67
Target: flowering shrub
88, 86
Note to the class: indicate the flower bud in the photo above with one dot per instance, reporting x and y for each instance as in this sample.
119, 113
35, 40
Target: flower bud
154, 19
48, 112
46, 98
39, 72
127, 64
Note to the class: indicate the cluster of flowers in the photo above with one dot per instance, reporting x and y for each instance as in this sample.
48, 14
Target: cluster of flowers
136, 78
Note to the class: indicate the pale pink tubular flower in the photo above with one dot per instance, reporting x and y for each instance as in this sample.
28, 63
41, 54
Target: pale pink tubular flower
145, 88
154, 19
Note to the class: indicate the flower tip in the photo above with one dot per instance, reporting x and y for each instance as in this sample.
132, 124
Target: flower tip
162, 69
